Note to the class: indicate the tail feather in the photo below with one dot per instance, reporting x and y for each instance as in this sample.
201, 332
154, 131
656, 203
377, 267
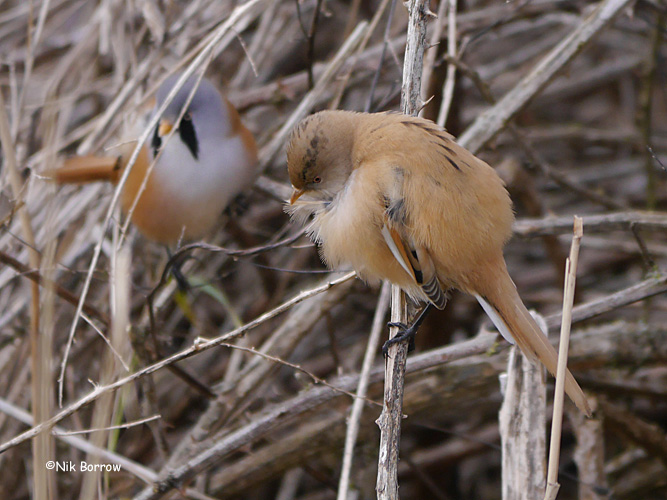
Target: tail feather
502, 303
83, 169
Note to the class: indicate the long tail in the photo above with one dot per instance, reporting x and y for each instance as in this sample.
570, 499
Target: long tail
500, 299
82, 169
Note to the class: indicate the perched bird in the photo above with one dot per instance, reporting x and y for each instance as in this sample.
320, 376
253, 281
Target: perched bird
394, 197
208, 161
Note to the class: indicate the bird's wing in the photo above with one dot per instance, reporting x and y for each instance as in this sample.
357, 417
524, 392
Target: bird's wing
414, 258
82, 169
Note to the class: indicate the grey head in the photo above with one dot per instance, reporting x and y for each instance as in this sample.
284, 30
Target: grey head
206, 116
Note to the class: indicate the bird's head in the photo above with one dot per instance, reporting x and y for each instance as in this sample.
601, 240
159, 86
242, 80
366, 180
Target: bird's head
319, 155
206, 113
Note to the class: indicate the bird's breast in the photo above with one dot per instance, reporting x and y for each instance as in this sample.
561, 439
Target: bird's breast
349, 232
183, 196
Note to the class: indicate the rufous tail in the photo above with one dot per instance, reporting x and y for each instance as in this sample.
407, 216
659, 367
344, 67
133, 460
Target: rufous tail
500, 299
83, 169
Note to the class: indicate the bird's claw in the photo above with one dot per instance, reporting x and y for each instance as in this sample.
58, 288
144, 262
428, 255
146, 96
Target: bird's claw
405, 332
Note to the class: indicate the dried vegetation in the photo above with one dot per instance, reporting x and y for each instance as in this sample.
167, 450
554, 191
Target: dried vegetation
590, 140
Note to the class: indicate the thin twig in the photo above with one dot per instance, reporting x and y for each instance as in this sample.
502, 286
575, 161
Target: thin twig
431, 52
335, 102
618, 221
40, 410
126, 425
646, 108
184, 354
450, 78
559, 391
655, 157
311, 42
309, 39
362, 390
389, 421
385, 44
649, 287
293, 366
643, 248
63, 293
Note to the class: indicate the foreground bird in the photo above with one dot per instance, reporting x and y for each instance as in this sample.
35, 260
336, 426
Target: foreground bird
209, 160
395, 198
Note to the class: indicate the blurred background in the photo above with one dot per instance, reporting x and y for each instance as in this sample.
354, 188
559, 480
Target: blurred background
76, 78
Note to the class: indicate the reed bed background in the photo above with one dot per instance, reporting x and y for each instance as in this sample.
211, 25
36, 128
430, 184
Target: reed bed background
591, 140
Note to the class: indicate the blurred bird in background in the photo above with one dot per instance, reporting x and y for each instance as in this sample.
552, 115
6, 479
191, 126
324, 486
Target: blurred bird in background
209, 160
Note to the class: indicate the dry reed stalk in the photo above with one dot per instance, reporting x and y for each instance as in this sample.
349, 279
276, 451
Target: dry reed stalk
389, 420
351, 63
522, 424
362, 391
92, 66
431, 52
450, 79
44, 480
200, 346
559, 392
589, 453
601, 223
111, 368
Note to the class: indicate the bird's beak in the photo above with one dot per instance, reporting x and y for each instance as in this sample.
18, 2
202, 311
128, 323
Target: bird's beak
164, 128
296, 195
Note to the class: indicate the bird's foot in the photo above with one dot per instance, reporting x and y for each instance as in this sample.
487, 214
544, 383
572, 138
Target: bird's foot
181, 280
405, 332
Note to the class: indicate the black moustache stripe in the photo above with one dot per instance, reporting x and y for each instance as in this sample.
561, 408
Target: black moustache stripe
188, 135
156, 141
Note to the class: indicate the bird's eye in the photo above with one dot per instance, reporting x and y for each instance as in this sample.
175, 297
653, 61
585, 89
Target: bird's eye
187, 117
317, 180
